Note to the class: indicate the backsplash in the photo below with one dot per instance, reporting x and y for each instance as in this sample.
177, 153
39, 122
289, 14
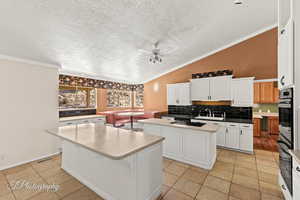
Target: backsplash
265, 107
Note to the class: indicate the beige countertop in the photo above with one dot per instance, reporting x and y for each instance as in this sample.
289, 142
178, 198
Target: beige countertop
209, 127
264, 114
109, 141
65, 119
295, 154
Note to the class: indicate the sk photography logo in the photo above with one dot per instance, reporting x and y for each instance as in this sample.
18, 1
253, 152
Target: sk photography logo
26, 185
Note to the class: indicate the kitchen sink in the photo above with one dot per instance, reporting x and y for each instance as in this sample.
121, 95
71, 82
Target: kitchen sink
210, 118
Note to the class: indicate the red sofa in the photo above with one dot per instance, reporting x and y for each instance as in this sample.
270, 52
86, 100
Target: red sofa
112, 117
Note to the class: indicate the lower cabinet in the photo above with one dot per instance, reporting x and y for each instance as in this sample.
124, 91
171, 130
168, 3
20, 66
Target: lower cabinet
232, 136
246, 137
172, 145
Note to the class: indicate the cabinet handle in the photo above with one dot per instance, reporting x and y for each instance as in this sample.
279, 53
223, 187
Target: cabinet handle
281, 80
282, 31
283, 187
232, 125
298, 169
241, 132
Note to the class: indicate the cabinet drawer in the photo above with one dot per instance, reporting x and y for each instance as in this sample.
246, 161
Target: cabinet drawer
245, 126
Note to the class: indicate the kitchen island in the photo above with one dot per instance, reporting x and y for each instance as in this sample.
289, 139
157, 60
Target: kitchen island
195, 145
117, 164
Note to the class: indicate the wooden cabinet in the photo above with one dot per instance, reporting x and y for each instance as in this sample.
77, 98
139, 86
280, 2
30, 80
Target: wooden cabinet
242, 92
273, 125
265, 92
178, 94
211, 89
256, 127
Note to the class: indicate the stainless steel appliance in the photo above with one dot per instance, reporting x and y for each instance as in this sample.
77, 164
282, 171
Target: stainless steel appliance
286, 137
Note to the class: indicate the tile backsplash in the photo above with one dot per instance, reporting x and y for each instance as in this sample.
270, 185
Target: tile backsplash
265, 107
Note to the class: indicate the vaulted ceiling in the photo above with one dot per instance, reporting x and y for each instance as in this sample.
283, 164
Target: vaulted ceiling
108, 39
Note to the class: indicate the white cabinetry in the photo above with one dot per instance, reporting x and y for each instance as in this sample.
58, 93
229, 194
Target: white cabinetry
246, 137
232, 136
296, 180
81, 120
285, 55
178, 94
172, 145
242, 92
211, 89
200, 89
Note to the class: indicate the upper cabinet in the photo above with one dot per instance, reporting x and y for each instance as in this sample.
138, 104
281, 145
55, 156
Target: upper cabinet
284, 13
265, 92
178, 94
242, 92
285, 56
211, 89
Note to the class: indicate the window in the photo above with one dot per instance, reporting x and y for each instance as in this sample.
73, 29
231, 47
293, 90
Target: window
119, 98
75, 97
138, 99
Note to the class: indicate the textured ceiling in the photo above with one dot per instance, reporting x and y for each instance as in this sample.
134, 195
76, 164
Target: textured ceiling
102, 38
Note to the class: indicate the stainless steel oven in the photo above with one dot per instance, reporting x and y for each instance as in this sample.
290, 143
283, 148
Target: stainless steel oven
286, 137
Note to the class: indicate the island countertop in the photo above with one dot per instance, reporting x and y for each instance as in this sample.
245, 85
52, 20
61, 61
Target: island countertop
108, 141
65, 119
208, 127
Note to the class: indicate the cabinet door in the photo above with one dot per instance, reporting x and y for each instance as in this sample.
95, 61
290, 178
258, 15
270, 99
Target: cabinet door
256, 127
273, 125
266, 92
296, 179
242, 92
276, 95
172, 145
221, 134
152, 129
256, 88
220, 88
285, 56
172, 94
232, 136
246, 137
200, 89
184, 94
195, 146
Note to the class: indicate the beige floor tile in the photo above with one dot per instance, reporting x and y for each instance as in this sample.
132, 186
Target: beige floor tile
182, 164
4, 189
45, 196
16, 169
176, 195
269, 170
26, 193
270, 197
266, 163
200, 170
229, 159
59, 178
217, 184
69, 187
233, 198
226, 175
51, 172
268, 178
166, 163
262, 157
188, 187
210, 194
220, 165
248, 165
164, 190
262, 153
176, 169
8, 196
246, 181
246, 172
271, 189
82, 194
2, 178
246, 159
195, 176
244, 193
27, 174
169, 179
43, 166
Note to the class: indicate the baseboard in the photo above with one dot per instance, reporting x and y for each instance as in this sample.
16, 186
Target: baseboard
29, 161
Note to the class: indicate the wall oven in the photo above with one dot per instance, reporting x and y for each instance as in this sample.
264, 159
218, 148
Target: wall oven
286, 137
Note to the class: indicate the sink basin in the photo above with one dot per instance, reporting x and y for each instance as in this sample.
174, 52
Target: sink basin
210, 118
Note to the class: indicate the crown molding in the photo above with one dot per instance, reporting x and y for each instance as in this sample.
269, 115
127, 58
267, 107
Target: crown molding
27, 61
214, 51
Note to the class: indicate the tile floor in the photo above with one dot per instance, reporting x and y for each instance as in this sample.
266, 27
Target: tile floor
235, 176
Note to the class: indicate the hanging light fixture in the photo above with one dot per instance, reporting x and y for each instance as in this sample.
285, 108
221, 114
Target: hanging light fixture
155, 57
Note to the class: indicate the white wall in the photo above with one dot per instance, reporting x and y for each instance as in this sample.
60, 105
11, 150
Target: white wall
28, 106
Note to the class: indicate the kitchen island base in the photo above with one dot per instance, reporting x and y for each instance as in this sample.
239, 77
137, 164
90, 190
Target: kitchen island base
135, 177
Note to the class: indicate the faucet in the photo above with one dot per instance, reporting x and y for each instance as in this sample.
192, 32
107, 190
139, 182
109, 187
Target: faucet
209, 112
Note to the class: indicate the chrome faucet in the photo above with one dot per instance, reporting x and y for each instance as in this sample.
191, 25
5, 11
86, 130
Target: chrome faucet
209, 112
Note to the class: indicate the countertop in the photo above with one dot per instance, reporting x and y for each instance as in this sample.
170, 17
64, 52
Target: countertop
295, 154
65, 119
209, 127
260, 115
109, 141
